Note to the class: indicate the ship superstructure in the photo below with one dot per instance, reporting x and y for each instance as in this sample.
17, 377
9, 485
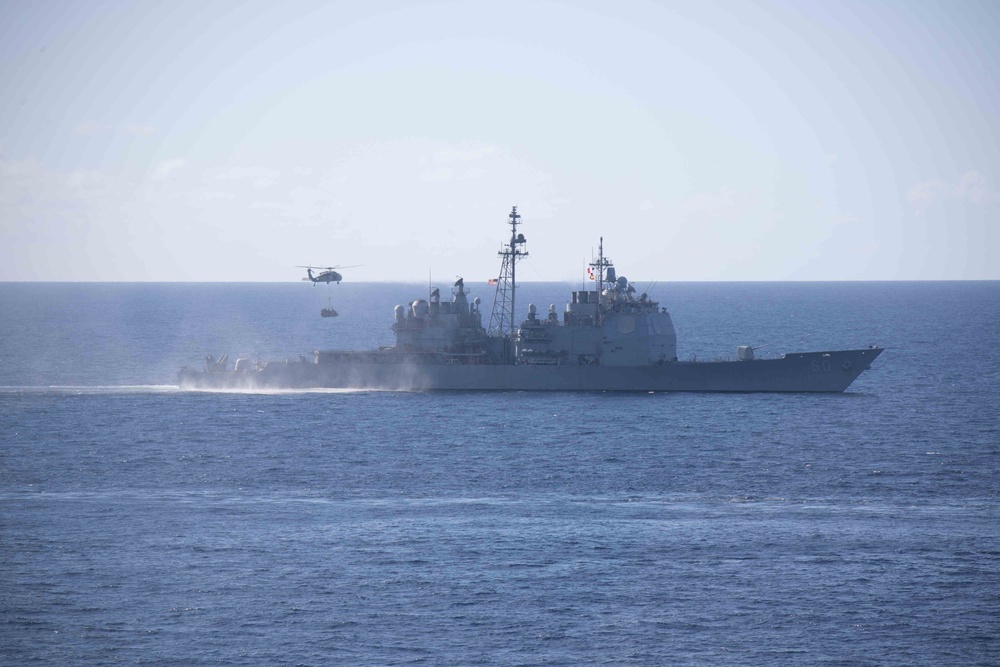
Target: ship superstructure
608, 326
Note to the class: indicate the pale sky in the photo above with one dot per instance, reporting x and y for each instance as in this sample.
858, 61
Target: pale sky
223, 141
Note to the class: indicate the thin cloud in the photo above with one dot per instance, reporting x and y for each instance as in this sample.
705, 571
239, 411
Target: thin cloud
710, 202
974, 188
211, 196
139, 129
262, 177
924, 194
971, 187
438, 174
163, 170
464, 154
89, 128
82, 178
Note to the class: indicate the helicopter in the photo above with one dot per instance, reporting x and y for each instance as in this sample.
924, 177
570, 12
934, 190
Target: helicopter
328, 274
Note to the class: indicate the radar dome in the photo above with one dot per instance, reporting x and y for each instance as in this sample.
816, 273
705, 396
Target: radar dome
420, 308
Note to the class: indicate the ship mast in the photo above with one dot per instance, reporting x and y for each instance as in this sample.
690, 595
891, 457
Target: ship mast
502, 318
600, 265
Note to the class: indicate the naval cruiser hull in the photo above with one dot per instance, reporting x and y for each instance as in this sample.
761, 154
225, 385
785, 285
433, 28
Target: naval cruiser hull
832, 371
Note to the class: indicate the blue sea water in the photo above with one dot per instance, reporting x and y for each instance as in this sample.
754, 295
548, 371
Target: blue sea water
140, 524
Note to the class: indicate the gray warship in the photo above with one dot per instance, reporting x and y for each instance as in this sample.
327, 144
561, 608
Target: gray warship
608, 339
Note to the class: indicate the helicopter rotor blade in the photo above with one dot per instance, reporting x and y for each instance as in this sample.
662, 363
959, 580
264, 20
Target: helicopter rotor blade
330, 268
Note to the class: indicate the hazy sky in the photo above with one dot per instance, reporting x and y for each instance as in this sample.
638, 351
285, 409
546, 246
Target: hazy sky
705, 141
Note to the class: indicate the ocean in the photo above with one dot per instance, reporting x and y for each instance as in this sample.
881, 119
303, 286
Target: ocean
141, 524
